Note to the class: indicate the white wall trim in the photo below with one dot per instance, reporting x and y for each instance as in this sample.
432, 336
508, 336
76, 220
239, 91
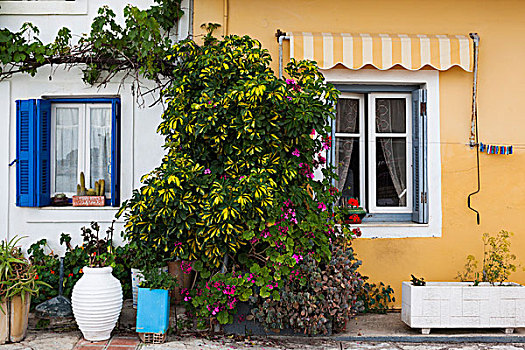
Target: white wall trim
44, 7
5, 113
430, 79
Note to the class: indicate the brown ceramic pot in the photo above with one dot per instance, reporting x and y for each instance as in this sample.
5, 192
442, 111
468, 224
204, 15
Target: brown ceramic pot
13, 321
184, 280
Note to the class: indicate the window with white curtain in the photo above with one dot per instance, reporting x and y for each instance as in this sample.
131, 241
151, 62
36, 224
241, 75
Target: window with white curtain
81, 142
373, 151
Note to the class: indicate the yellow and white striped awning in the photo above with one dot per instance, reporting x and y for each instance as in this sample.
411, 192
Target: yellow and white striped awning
382, 51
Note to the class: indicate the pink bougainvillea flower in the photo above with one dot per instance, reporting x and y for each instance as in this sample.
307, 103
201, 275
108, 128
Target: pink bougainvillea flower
207, 171
289, 98
290, 81
321, 206
296, 153
297, 257
313, 132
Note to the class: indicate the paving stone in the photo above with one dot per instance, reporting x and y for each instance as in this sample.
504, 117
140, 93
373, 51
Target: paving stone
45, 341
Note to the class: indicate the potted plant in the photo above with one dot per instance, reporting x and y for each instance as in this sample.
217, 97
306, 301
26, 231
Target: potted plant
486, 301
153, 307
92, 197
18, 282
183, 271
97, 295
356, 213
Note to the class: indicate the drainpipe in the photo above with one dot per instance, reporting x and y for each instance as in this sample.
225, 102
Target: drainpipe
225, 18
280, 38
474, 137
190, 20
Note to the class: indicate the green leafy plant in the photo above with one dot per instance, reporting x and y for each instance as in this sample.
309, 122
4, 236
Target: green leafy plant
47, 263
418, 281
235, 193
18, 277
100, 251
316, 297
155, 279
136, 48
498, 261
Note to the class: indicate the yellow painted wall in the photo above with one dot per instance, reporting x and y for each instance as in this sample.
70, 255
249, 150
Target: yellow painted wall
501, 26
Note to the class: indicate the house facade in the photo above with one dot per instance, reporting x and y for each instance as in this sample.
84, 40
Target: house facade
102, 131
401, 136
380, 54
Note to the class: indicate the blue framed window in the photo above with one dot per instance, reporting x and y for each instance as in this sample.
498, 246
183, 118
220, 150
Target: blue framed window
57, 139
380, 150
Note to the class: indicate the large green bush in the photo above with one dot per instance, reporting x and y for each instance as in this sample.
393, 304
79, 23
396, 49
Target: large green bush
235, 193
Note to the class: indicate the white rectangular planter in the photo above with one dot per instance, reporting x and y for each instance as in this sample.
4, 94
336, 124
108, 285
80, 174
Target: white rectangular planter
462, 305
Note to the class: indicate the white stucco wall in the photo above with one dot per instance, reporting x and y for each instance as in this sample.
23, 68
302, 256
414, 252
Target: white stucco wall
141, 147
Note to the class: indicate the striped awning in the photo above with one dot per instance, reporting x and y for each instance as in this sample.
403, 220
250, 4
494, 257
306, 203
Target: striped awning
382, 51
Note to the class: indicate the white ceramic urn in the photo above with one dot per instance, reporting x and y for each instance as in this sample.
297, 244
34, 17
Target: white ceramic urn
97, 302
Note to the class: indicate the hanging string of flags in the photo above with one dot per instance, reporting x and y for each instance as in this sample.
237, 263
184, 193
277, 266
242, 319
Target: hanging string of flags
494, 149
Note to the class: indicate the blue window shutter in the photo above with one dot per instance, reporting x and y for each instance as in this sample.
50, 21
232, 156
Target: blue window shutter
43, 153
25, 153
419, 156
115, 152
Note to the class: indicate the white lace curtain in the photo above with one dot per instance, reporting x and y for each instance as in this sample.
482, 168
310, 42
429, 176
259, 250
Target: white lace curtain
68, 120
100, 140
347, 120
66, 150
390, 118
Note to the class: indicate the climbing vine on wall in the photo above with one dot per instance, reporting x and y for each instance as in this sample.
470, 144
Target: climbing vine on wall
136, 48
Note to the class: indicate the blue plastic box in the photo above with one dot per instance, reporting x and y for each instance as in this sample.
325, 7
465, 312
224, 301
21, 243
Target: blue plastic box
153, 311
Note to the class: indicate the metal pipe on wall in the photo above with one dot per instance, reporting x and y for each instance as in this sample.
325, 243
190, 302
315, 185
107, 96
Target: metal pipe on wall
280, 38
225, 18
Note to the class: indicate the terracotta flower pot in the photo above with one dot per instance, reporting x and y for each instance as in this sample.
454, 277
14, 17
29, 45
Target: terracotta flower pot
97, 302
184, 280
13, 321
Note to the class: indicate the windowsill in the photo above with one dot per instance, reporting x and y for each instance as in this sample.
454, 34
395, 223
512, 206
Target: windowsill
390, 224
58, 7
69, 207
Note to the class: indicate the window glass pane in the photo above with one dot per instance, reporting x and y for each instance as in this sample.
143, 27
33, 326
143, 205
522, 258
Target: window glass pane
390, 115
391, 176
347, 116
100, 141
66, 150
347, 162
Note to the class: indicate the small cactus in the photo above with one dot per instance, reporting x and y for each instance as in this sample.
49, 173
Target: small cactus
97, 188
102, 187
91, 192
82, 184
79, 191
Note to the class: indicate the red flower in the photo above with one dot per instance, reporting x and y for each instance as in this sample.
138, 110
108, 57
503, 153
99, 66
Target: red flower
70, 275
355, 219
353, 202
80, 271
52, 272
36, 277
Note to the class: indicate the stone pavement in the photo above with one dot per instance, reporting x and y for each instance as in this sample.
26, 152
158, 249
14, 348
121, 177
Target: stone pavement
313, 344
68, 341
374, 332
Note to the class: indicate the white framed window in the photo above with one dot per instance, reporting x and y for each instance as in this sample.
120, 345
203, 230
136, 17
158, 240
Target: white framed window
390, 152
80, 142
43, 7
373, 152
403, 225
